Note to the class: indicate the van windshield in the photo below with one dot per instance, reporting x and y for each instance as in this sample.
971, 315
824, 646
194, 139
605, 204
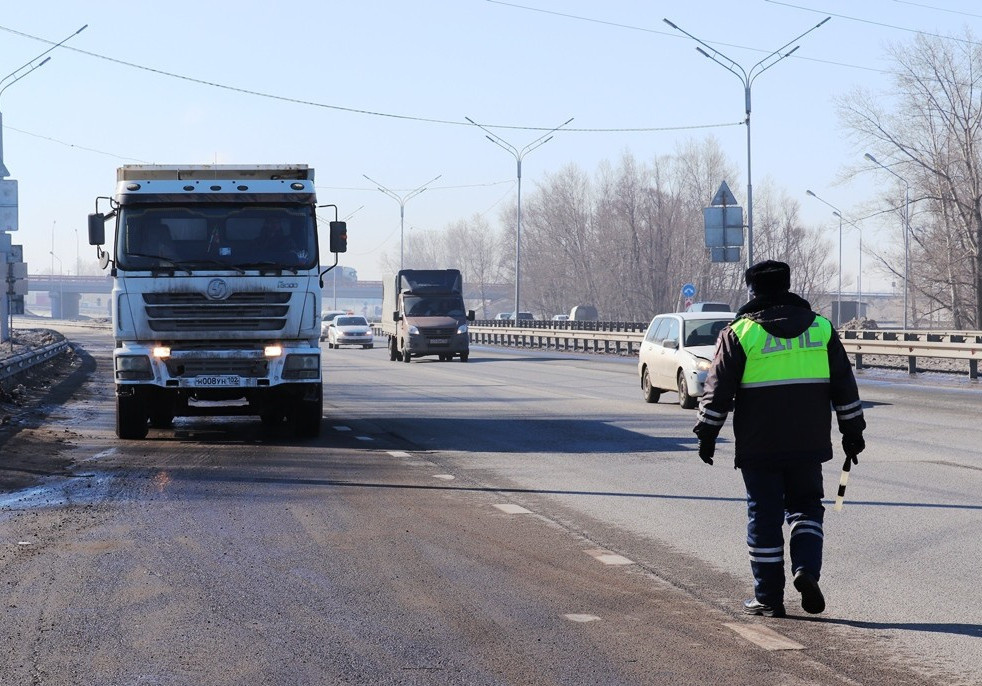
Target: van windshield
434, 306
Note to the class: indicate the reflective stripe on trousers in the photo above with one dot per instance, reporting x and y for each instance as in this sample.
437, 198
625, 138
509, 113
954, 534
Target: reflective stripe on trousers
792, 495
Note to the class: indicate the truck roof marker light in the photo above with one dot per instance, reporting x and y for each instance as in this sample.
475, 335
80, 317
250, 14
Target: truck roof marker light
273, 350
161, 352
189, 188
132, 186
297, 186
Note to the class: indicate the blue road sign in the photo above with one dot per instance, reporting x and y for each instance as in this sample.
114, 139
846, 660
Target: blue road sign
688, 290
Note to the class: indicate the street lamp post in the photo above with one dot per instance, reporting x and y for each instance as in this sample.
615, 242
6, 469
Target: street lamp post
519, 155
859, 278
746, 77
838, 315
906, 229
402, 200
61, 287
336, 271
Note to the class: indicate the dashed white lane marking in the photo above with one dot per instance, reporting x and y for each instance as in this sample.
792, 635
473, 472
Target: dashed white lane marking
766, 638
399, 453
445, 477
582, 618
608, 558
508, 508
364, 438
342, 428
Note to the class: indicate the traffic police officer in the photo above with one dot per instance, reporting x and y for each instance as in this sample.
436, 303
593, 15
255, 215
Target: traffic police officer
782, 369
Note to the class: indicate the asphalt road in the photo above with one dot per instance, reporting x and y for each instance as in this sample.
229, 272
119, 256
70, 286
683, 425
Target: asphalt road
523, 518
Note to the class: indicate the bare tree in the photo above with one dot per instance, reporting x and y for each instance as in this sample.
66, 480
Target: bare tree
931, 132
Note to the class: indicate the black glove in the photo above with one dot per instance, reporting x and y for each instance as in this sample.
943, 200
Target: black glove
707, 448
707, 434
853, 444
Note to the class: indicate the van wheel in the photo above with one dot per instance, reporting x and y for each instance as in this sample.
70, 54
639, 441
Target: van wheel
686, 401
463, 357
651, 394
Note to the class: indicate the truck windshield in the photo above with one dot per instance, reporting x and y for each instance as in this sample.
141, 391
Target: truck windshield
433, 306
220, 235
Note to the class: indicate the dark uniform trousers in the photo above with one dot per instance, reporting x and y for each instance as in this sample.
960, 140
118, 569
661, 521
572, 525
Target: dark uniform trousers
794, 495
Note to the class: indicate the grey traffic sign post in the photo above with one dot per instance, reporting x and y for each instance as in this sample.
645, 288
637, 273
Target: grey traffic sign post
724, 226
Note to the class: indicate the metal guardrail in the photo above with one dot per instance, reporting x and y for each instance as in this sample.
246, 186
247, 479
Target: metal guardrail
605, 337
12, 366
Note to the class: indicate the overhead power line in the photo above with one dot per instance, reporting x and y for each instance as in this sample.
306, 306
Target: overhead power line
354, 110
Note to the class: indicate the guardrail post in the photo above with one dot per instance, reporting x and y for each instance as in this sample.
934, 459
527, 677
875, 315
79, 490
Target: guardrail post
973, 369
859, 360
911, 364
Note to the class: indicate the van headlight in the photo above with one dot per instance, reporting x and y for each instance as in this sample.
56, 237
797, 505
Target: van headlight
302, 367
462, 328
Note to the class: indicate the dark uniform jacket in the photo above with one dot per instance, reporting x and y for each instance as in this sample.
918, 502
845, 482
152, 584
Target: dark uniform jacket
779, 424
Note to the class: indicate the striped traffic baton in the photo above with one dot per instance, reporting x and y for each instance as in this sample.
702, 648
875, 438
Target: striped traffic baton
843, 480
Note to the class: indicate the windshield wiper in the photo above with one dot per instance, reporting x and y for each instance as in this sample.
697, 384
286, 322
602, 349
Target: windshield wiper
165, 262
271, 265
216, 263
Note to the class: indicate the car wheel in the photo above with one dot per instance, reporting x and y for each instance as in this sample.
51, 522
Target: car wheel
686, 401
651, 394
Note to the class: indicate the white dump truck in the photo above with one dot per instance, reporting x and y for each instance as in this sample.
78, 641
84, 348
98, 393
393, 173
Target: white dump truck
216, 295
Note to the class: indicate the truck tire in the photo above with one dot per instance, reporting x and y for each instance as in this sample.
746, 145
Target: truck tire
405, 355
131, 417
463, 357
393, 350
307, 416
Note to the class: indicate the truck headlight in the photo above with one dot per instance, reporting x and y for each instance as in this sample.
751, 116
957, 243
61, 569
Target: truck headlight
133, 368
462, 328
413, 330
302, 367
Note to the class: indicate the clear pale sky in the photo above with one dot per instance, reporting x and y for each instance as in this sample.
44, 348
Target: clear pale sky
381, 87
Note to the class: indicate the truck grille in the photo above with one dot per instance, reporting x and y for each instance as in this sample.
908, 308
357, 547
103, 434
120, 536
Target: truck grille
261, 311
245, 368
444, 334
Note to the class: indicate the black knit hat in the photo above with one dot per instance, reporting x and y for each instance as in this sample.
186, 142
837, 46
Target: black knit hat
769, 277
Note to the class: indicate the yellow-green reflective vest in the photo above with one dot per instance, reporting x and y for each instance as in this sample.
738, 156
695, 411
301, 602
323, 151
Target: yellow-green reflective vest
775, 361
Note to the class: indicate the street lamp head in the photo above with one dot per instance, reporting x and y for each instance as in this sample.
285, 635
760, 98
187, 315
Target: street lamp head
836, 214
807, 192
870, 158
671, 24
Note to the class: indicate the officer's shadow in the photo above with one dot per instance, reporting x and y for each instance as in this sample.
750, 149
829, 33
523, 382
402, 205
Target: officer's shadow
973, 630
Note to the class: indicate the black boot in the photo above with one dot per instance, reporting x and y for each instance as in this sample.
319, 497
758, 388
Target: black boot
755, 607
812, 600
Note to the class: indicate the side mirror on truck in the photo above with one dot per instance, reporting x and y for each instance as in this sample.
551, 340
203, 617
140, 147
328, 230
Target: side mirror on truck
470, 315
396, 316
97, 229
339, 237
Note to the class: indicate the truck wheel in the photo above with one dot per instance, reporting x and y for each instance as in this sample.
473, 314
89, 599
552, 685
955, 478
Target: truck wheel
307, 416
463, 357
271, 418
686, 401
131, 417
405, 355
650, 393
393, 350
